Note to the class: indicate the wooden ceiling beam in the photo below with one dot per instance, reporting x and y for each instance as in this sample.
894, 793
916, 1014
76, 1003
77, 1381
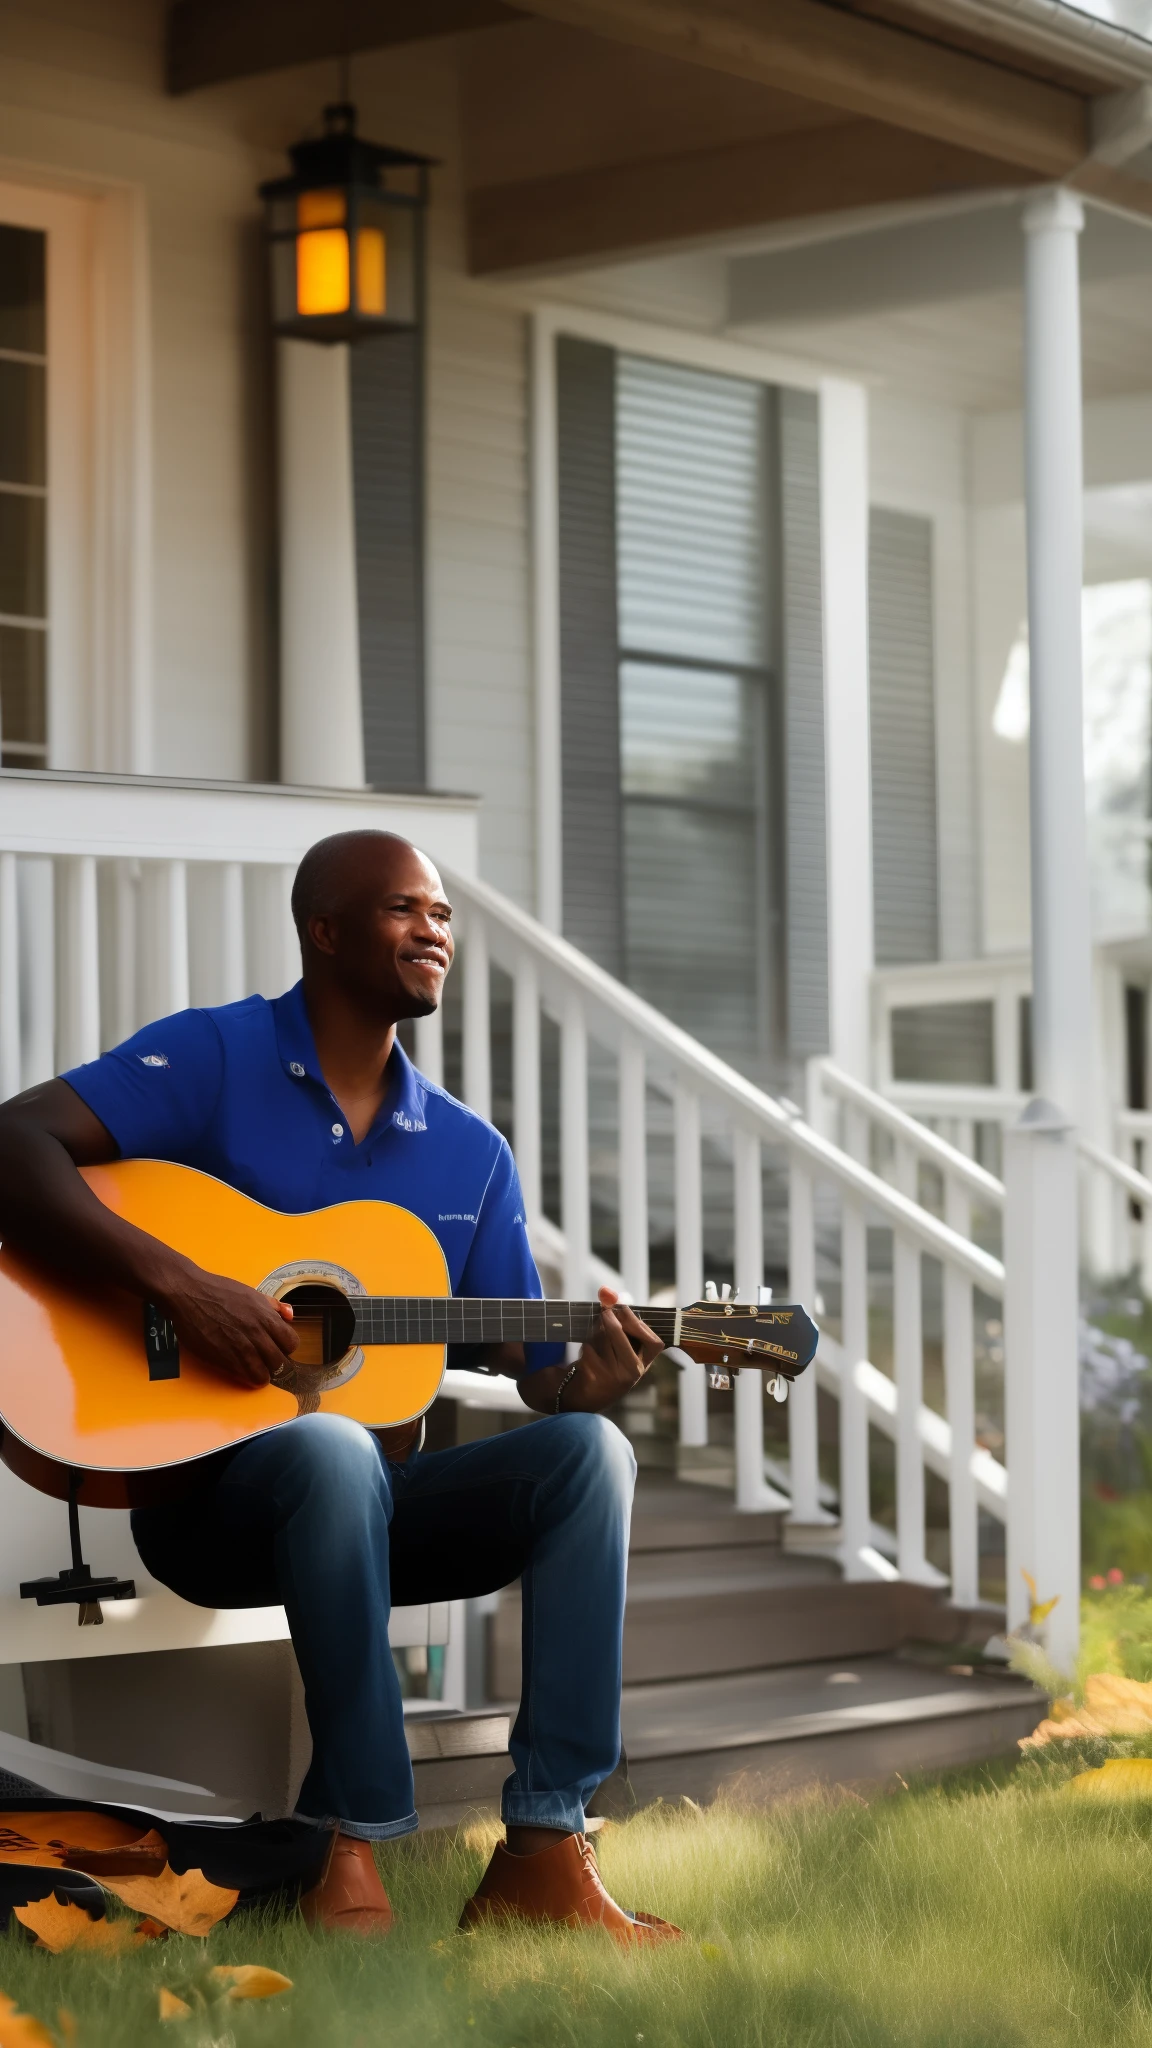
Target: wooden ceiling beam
864, 67
550, 223
212, 40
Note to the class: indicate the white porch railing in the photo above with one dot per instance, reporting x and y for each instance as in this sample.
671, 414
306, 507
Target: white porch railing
1116, 1227
828, 1201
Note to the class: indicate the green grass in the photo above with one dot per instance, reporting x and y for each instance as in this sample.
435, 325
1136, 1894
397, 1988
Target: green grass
982, 1911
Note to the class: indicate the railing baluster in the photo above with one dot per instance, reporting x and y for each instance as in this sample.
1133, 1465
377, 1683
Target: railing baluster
36, 894
574, 1196
79, 962
690, 1254
126, 899
960, 1395
526, 1083
477, 1018
233, 980
803, 1440
855, 1500
165, 938
753, 1495
9, 980
908, 1344
633, 1125
429, 1048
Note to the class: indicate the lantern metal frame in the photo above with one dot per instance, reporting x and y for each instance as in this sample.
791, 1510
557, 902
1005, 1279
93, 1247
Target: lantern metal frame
342, 161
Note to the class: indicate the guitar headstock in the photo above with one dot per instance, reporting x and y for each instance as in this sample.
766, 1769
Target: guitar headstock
779, 1337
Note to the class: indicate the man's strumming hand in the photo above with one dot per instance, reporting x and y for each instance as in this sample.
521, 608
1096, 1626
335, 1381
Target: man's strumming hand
240, 1333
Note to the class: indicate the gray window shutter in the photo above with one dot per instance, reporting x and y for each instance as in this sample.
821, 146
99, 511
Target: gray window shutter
802, 658
900, 656
387, 470
589, 687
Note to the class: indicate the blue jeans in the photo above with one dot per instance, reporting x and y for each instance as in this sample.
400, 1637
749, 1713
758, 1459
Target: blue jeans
313, 1516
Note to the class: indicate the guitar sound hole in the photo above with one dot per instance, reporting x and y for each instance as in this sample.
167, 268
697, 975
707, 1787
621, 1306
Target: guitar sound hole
324, 1321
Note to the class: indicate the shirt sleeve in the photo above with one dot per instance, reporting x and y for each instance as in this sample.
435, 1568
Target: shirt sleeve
500, 1261
156, 1093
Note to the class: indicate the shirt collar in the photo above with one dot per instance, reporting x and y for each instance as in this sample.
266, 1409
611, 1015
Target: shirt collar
406, 1096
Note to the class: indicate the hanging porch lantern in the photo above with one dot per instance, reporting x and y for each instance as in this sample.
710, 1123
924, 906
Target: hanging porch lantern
346, 236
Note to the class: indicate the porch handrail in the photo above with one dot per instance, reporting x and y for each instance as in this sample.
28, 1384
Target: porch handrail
927, 1144
624, 1012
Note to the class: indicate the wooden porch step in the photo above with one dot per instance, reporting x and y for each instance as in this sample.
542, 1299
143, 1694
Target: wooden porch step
670, 1515
850, 1721
459, 1763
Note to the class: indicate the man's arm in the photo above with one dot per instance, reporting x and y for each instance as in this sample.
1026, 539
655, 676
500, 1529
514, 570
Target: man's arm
47, 1211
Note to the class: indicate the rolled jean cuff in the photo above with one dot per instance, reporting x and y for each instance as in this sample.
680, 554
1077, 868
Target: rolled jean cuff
364, 1830
542, 1810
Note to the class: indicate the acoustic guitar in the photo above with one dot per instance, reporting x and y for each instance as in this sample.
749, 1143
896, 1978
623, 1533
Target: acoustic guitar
100, 1403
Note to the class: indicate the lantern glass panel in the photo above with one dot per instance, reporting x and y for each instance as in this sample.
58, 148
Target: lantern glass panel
322, 272
387, 240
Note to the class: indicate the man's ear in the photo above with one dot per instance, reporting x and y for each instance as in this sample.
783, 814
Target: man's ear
322, 932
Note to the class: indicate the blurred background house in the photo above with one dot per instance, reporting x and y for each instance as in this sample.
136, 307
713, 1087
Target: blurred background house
661, 570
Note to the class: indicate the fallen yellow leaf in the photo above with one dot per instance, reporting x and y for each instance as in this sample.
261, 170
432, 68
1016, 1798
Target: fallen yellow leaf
19, 2030
187, 1902
249, 1980
58, 1927
171, 2007
1122, 1777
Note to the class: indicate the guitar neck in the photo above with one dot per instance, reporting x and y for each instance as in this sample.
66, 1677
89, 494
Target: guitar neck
386, 1319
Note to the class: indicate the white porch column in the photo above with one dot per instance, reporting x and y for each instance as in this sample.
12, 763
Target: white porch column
848, 784
1054, 483
1041, 1412
321, 729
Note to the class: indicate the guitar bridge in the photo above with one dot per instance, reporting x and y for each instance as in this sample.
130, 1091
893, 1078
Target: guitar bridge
161, 1344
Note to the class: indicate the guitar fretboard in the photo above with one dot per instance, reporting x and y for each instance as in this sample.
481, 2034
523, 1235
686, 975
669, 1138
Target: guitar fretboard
452, 1320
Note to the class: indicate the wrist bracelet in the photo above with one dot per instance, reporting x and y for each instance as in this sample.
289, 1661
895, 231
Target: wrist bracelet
569, 1375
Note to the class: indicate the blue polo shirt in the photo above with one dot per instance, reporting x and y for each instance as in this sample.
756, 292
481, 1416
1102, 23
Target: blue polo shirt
237, 1092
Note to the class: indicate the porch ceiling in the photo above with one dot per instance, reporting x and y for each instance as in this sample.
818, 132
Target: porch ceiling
597, 129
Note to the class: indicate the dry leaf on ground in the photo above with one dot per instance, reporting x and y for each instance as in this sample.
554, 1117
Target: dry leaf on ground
1122, 1777
185, 1902
1112, 1706
58, 1927
249, 1980
19, 2029
171, 2007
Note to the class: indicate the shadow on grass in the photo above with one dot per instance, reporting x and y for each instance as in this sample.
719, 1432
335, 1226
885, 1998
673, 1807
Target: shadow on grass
979, 1908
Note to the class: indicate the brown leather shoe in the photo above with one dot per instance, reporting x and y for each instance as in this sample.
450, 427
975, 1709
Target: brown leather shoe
350, 1895
561, 1884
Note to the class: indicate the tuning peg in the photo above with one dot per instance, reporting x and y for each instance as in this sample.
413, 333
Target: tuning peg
726, 1291
763, 1294
710, 1293
778, 1388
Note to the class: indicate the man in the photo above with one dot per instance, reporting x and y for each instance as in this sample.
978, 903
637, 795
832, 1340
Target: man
301, 1103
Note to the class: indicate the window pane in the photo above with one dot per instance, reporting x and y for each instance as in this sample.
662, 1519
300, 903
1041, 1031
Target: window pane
22, 435
23, 721
692, 545
692, 918
22, 323
689, 733
22, 581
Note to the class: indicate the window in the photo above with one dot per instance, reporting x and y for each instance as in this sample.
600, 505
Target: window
689, 608
23, 499
692, 549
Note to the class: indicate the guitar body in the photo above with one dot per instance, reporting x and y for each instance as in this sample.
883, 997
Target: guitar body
76, 1393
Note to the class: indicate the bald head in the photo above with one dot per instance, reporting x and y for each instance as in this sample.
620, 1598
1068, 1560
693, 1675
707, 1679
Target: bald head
336, 871
373, 920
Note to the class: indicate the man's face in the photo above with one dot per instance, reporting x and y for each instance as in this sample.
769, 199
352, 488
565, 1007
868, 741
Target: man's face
390, 943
